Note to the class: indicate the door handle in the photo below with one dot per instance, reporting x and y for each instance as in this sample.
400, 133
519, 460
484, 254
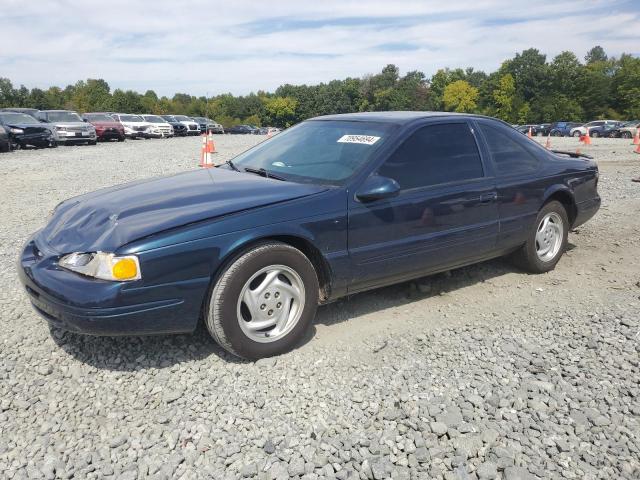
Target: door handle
489, 197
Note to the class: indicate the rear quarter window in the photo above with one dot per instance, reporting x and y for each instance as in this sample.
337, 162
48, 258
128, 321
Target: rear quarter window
509, 155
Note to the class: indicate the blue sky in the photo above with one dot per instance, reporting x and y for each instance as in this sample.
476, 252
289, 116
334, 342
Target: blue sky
201, 47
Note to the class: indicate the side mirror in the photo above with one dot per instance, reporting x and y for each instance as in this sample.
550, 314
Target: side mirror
85, 120
377, 187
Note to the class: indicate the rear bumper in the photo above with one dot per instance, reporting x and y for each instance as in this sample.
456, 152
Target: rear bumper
586, 210
85, 305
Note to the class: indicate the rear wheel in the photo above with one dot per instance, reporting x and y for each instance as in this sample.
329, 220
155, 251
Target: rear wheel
547, 240
595, 134
626, 135
263, 302
576, 133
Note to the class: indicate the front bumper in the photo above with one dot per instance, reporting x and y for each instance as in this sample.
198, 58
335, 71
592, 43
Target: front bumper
85, 305
33, 139
76, 137
109, 133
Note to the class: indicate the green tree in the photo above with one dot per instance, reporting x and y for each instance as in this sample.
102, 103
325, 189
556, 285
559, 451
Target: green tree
504, 97
460, 96
280, 111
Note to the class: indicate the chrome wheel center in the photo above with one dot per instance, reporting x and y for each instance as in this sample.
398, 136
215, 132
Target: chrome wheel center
271, 303
549, 236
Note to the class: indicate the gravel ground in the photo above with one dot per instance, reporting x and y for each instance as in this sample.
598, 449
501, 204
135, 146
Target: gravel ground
480, 373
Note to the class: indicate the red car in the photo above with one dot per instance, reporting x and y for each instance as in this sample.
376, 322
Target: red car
106, 127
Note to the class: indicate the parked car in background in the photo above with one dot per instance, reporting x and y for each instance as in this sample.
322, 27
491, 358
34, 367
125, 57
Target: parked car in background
525, 129
625, 130
332, 206
605, 130
29, 111
192, 127
69, 126
134, 125
268, 131
241, 130
25, 131
179, 128
5, 144
597, 126
544, 129
208, 125
562, 129
159, 125
106, 127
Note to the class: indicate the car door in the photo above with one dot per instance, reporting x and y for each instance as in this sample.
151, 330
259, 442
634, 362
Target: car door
520, 187
444, 215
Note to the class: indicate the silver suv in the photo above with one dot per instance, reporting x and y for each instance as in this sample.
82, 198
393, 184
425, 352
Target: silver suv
70, 128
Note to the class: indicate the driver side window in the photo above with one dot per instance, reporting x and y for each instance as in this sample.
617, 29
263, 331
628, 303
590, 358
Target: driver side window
434, 155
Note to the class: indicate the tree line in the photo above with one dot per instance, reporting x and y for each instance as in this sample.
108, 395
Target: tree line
525, 89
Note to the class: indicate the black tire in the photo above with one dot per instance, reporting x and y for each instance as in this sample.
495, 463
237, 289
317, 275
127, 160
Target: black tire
576, 133
595, 134
121, 139
626, 135
92, 142
221, 317
527, 257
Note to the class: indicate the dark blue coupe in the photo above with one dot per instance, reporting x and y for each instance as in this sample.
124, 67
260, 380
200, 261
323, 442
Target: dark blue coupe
333, 206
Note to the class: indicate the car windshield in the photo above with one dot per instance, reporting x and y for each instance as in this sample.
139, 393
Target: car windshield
17, 118
63, 117
199, 119
169, 118
183, 118
131, 118
99, 118
154, 119
326, 152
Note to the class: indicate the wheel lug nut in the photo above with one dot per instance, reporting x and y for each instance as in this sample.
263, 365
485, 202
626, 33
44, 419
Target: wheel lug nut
263, 306
267, 295
279, 305
270, 312
277, 294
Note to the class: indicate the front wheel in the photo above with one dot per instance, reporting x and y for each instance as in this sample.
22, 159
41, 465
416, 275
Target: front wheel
595, 134
576, 134
626, 135
263, 302
547, 240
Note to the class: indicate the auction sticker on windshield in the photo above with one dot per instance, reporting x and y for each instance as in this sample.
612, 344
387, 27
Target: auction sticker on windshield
363, 139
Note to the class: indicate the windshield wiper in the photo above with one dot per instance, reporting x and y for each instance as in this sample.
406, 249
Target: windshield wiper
231, 164
264, 173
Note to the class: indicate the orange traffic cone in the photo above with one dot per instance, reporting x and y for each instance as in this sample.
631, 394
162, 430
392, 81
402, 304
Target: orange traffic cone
547, 144
636, 137
587, 138
211, 147
637, 150
529, 133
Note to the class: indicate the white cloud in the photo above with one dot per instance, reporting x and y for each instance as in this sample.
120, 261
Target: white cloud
203, 47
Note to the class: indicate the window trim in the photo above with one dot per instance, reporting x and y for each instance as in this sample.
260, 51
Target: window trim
449, 121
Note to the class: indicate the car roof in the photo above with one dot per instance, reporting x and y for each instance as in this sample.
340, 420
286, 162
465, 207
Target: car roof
396, 117
47, 111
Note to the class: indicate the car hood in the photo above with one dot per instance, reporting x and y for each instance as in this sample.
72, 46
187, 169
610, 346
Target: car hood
110, 218
45, 126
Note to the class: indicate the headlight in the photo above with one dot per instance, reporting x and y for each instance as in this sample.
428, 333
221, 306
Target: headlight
16, 130
60, 128
105, 266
